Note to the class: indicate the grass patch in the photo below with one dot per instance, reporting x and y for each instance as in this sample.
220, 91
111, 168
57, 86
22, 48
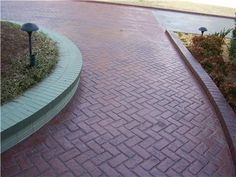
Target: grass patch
16, 76
183, 5
216, 55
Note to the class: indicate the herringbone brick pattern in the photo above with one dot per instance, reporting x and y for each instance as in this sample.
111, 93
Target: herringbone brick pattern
138, 110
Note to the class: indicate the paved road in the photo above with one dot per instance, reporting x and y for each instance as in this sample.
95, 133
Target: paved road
184, 22
138, 110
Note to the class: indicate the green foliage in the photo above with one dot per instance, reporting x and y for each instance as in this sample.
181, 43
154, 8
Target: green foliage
232, 50
20, 76
223, 33
234, 33
208, 66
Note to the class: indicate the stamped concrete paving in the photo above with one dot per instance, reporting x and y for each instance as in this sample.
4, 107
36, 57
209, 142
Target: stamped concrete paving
138, 110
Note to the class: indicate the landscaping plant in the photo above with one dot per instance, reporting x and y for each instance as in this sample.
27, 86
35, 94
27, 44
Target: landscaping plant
232, 50
16, 75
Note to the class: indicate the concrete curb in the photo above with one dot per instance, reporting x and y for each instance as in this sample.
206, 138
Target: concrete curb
38, 105
226, 115
156, 8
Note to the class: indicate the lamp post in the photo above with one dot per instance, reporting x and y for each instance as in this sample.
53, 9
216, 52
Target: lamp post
30, 28
202, 29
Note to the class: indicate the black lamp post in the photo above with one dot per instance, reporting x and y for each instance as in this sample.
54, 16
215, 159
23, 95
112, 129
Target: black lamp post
202, 29
30, 28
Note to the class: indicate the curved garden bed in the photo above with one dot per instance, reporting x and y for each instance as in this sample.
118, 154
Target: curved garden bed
16, 75
39, 104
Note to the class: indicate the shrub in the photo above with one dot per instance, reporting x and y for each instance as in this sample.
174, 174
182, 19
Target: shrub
232, 50
206, 46
229, 89
234, 33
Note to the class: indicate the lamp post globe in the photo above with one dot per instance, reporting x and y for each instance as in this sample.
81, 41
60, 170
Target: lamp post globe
202, 29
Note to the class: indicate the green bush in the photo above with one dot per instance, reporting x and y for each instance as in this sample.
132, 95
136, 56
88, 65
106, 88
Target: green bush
232, 50
234, 33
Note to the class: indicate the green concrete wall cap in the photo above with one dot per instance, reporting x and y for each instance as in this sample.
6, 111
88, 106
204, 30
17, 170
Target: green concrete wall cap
39, 104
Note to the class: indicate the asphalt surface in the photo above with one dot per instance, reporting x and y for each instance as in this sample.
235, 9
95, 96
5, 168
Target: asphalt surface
189, 23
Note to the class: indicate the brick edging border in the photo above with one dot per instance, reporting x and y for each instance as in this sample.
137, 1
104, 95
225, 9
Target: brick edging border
38, 105
155, 8
225, 113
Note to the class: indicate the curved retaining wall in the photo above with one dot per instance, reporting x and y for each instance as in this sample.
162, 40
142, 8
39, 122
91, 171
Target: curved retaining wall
38, 105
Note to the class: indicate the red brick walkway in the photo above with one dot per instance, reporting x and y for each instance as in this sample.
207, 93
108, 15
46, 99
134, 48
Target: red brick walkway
138, 110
